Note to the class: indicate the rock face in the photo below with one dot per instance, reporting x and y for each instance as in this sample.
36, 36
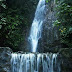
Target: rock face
5, 56
66, 57
50, 34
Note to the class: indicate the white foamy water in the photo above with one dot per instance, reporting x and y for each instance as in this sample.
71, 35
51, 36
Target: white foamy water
34, 62
36, 28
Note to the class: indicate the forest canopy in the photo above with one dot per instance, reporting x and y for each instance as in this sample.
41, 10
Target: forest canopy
16, 16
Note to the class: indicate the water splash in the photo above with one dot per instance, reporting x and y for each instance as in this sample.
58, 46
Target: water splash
36, 28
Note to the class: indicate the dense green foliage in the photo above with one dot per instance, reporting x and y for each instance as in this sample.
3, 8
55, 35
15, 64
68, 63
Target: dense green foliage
64, 20
47, 1
10, 30
14, 20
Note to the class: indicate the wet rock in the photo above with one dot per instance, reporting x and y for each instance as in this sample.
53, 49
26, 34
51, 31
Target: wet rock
50, 34
5, 56
66, 56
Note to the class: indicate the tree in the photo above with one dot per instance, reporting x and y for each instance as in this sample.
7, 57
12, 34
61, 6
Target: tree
64, 20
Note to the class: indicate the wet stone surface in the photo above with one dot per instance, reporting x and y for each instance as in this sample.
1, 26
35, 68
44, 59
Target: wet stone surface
5, 56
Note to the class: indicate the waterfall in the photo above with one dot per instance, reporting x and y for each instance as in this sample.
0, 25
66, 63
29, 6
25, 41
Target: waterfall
34, 62
36, 28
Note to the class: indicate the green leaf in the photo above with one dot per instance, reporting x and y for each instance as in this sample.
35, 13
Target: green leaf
70, 29
3, 5
0, 26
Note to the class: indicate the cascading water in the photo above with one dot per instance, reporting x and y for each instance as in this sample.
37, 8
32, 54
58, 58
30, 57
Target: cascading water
45, 62
35, 62
36, 28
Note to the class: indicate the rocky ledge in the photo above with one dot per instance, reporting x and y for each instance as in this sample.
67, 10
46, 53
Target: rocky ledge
5, 56
65, 56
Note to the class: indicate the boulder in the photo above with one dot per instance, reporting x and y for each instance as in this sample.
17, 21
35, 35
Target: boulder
5, 57
66, 59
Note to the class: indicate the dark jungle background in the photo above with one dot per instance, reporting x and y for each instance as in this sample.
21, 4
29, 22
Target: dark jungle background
16, 18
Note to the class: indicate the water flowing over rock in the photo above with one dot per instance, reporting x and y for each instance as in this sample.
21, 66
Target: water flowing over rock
36, 28
34, 62
63, 60
60, 61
